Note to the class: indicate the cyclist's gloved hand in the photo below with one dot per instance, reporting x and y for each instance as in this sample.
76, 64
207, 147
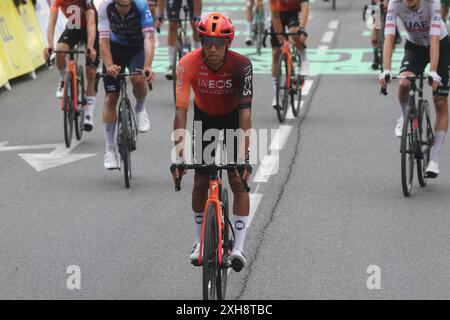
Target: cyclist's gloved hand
303, 34
148, 74
176, 173
47, 53
159, 21
247, 170
113, 70
385, 78
92, 54
434, 79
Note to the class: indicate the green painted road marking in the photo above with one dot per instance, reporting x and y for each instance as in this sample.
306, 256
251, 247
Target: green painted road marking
224, 8
322, 62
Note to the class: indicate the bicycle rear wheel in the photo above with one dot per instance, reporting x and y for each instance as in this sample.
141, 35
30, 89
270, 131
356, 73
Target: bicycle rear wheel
176, 58
259, 25
227, 245
282, 88
211, 275
407, 150
124, 134
79, 115
68, 109
334, 5
297, 82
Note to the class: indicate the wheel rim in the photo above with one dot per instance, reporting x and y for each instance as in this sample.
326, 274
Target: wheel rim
282, 90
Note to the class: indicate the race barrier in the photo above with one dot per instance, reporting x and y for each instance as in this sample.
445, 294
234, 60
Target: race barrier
23, 37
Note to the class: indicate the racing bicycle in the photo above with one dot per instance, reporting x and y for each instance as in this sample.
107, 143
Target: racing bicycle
417, 135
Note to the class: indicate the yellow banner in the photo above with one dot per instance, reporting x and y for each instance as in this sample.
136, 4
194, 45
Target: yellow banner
34, 39
3, 78
12, 36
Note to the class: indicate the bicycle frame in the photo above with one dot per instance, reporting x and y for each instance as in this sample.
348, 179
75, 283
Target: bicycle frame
215, 185
72, 68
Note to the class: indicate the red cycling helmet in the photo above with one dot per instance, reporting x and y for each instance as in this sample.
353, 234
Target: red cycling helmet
216, 25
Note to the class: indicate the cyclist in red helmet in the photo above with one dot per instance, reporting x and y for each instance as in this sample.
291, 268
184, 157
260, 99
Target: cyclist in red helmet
223, 88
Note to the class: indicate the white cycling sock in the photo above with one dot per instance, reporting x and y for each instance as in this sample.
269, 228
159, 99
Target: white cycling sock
240, 228
109, 130
274, 81
140, 105
198, 221
62, 75
249, 28
402, 108
90, 104
171, 54
439, 137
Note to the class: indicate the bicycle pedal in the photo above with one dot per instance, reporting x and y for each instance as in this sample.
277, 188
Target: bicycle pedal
195, 263
430, 175
237, 265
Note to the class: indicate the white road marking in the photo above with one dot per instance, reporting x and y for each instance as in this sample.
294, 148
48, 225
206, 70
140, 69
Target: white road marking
255, 199
58, 157
280, 138
333, 25
31, 147
328, 36
307, 87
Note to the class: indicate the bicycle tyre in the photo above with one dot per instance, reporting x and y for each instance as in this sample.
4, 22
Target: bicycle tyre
79, 115
175, 60
259, 29
210, 257
334, 5
68, 109
226, 237
407, 146
124, 139
296, 90
425, 143
282, 89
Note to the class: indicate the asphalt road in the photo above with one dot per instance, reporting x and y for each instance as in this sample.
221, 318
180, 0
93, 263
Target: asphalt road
334, 207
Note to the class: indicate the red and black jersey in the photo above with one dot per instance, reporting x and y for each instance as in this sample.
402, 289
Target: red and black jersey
216, 92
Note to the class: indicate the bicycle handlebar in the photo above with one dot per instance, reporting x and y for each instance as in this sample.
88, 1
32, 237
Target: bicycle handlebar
211, 168
70, 52
121, 76
388, 78
267, 33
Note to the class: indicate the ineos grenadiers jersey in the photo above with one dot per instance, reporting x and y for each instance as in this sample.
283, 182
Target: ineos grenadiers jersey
71, 8
216, 93
420, 24
286, 5
129, 30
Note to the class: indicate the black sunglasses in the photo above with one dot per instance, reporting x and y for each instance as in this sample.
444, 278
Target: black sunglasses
210, 41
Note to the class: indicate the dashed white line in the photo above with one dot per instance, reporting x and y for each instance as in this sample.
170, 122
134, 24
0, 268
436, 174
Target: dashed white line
333, 25
328, 36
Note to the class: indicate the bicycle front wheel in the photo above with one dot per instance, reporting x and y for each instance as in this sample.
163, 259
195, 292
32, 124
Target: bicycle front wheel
282, 88
79, 115
211, 275
227, 245
425, 142
123, 136
407, 150
68, 108
297, 82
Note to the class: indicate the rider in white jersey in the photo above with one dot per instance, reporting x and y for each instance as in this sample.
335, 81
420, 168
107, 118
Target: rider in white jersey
427, 42
420, 24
